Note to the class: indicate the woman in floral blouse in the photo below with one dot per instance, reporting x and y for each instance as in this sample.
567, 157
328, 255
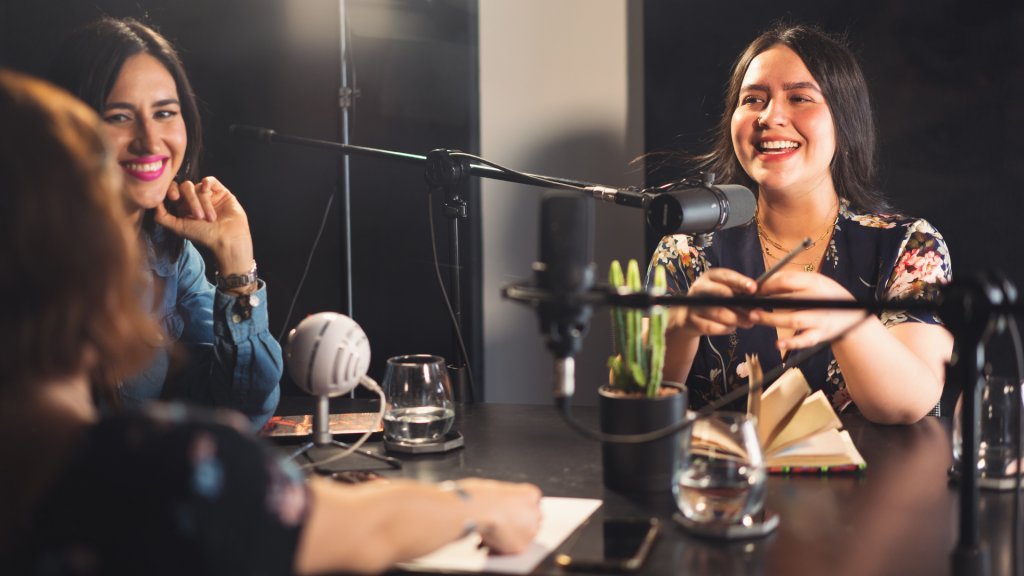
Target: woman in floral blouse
798, 130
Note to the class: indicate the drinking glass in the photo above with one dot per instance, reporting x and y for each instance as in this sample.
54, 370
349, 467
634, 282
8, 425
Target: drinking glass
419, 399
998, 425
722, 476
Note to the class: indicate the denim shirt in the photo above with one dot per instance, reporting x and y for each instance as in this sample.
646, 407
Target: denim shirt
228, 360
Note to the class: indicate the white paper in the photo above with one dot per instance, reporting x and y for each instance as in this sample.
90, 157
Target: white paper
561, 517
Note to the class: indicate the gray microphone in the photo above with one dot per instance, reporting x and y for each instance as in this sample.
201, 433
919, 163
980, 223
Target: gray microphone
681, 208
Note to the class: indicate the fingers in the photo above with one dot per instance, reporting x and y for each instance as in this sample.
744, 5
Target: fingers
204, 191
167, 220
190, 199
172, 192
736, 282
801, 340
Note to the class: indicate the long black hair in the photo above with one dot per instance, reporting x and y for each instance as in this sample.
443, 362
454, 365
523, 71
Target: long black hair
88, 64
832, 64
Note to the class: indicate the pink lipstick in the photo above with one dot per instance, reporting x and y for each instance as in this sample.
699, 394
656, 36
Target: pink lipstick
146, 169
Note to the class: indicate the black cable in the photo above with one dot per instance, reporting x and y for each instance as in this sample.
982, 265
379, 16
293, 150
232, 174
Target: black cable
309, 260
564, 404
538, 180
447, 303
1018, 349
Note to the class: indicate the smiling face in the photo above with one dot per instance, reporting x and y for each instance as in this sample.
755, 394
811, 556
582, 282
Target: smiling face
782, 129
142, 117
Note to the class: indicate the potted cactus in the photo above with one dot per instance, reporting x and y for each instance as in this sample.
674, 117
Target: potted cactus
637, 399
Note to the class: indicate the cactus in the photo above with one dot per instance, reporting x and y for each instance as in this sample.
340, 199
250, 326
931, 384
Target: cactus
638, 366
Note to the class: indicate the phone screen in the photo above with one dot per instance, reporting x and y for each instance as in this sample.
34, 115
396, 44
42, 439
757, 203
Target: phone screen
610, 544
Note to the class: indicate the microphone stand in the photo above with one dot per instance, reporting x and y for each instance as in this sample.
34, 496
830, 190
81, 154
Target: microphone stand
443, 172
971, 307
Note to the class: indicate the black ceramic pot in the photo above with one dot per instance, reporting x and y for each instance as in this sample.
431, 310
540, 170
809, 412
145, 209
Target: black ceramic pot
646, 467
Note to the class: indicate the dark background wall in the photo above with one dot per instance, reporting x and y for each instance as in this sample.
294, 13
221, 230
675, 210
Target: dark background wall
277, 63
947, 81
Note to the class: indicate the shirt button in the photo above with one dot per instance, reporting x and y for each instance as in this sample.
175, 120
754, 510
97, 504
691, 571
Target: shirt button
236, 318
254, 300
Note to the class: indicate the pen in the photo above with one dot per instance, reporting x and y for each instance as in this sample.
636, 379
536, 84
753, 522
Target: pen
785, 260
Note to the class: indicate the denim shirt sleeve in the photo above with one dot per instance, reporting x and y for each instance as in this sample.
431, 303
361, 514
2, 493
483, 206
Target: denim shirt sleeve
233, 361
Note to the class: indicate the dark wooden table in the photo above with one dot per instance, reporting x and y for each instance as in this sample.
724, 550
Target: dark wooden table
898, 518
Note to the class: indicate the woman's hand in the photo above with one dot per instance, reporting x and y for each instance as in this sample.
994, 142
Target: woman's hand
209, 214
809, 326
694, 321
509, 514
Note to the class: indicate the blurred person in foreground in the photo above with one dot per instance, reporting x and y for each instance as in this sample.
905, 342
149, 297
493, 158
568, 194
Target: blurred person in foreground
165, 489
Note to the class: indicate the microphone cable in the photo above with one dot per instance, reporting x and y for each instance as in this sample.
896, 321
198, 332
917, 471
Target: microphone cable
1018, 399
309, 260
447, 302
535, 180
370, 384
564, 404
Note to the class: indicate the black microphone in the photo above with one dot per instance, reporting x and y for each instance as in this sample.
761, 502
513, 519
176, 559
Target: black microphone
264, 135
566, 271
685, 208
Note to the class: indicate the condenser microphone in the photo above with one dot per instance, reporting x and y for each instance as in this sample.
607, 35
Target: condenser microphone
566, 271
682, 208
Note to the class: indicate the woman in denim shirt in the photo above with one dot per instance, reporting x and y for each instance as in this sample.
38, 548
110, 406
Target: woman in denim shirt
133, 77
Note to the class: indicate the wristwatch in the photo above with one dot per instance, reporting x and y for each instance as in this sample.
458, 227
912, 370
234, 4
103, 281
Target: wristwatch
232, 281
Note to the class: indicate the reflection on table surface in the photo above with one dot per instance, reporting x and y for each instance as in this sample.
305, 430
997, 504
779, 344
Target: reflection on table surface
899, 517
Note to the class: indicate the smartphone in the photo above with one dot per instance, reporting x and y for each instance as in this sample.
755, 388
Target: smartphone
611, 545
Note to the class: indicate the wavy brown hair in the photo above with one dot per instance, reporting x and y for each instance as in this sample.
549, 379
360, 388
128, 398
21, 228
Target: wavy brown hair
69, 269
835, 68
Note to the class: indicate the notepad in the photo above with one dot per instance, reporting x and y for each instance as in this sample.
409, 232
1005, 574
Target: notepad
561, 517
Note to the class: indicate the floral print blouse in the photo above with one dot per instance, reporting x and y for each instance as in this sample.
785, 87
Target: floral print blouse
168, 490
874, 256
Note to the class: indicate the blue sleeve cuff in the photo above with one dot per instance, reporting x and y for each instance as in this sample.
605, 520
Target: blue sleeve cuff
229, 317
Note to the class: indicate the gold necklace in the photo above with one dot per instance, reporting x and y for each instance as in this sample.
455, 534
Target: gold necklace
764, 234
808, 267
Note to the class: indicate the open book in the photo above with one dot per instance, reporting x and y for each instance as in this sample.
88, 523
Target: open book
799, 431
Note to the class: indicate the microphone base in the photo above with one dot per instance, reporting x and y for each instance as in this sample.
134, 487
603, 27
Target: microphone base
393, 462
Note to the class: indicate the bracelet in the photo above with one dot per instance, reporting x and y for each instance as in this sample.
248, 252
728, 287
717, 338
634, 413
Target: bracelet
453, 486
232, 281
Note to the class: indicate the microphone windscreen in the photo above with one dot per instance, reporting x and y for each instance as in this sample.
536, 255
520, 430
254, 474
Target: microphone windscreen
742, 204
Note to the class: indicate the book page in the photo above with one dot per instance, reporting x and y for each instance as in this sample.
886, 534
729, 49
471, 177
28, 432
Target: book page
780, 402
829, 448
815, 415
756, 379
712, 438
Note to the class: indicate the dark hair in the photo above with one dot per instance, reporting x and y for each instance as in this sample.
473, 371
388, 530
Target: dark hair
69, 273
835, 68
88, 64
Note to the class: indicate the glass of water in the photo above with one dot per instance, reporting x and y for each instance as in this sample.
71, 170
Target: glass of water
419, 399
998, 425
722, 476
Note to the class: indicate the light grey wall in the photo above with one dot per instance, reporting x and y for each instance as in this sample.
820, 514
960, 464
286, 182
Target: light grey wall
561, 94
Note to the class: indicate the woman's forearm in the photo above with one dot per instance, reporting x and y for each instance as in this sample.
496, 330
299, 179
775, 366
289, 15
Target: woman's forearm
366, 529
680, 350
895, 375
